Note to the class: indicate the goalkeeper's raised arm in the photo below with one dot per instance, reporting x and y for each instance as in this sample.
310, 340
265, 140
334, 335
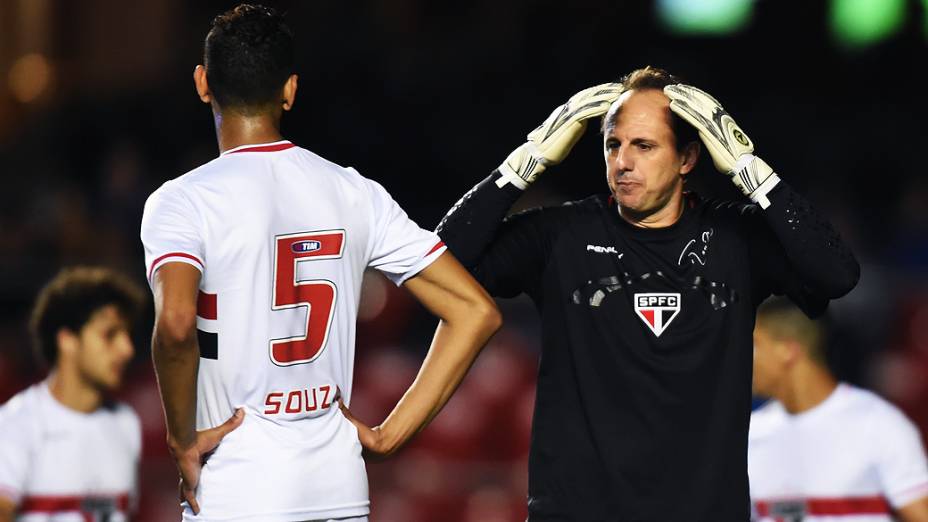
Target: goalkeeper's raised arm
471, 223
816, 252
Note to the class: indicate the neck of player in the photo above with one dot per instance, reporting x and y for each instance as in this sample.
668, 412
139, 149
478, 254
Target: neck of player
806, 386
235, 129
74, 392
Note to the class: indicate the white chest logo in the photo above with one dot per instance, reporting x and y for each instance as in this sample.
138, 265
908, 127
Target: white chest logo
604, 250
657, 310
697, 252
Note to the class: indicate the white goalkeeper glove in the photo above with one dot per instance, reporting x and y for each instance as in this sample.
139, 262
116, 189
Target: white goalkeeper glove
731, 149
550, 143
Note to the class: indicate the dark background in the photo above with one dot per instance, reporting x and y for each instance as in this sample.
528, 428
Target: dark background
97, 109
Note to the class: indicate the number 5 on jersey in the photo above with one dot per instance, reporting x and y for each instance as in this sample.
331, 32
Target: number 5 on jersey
316, 295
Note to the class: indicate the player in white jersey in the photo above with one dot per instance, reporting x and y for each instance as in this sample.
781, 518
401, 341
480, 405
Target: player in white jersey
821, 450
66, 452
256, 261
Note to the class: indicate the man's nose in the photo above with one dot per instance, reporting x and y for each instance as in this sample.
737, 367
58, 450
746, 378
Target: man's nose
623, 160
124, 346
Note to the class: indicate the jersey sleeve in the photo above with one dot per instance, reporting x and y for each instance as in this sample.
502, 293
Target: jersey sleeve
16, 450
169, 231
901, 465
798, 253
506, 255
399, 247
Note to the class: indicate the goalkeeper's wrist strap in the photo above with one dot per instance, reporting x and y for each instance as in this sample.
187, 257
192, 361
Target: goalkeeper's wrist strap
755, 178
521, 167
509, 176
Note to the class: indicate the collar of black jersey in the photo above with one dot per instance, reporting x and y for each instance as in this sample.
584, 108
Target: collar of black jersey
691, 201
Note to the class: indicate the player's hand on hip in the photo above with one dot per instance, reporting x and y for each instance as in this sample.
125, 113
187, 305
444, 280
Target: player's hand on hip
190, 458
731, 150
551, 141
372, 440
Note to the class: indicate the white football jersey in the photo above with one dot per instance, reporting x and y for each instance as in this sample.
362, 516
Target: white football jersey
61, 465
854, 457
282, 238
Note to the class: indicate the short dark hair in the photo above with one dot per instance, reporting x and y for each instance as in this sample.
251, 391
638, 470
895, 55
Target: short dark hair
248, 56
654, 78
785, 321
71, 298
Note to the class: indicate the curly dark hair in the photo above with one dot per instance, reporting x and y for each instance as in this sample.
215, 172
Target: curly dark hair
70, 300
654, 78
248, 55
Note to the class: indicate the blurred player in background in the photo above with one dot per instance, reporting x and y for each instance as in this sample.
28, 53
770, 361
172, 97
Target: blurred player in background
824, 450
256, 261
66, 451
647, 297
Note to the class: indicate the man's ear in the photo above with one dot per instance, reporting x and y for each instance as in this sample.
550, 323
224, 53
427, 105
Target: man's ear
68, 343
199, 80
792, 351
690, 157
289, 92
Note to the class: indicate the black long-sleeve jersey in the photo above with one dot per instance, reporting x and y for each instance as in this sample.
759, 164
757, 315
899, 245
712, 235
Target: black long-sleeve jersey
644, 383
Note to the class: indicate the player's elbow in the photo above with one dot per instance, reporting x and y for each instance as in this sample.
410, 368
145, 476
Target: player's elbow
842, 279
176, 325
484, 312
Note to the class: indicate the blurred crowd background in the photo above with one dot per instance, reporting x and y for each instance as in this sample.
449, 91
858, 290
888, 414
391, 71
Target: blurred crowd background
97, 109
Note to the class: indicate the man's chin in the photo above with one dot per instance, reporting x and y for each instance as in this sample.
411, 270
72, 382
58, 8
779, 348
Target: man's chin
630, 206
108, 384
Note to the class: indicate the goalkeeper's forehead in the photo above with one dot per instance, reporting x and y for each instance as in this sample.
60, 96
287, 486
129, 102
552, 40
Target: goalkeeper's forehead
642, 106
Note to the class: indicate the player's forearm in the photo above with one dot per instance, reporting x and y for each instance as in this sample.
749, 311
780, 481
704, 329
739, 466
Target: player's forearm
453, 350
471, 224
7, 509
176, 359
915, 511
814, 248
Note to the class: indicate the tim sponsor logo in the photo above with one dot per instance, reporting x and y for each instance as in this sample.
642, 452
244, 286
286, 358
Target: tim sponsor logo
302, 247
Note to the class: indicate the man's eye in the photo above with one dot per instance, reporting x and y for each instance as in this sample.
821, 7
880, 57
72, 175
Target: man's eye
612, 145
644, 146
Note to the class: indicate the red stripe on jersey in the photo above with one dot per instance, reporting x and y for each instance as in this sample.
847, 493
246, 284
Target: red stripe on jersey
206, 305
172, 254
265, 148
436, 247
58, 503
875, 505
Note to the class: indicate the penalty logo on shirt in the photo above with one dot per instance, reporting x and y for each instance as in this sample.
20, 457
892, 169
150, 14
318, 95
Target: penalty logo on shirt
657, 310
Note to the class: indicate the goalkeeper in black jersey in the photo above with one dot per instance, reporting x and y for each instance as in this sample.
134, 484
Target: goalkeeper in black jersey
647, 296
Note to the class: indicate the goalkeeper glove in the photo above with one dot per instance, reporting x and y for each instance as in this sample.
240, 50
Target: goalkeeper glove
730, 148
550, 143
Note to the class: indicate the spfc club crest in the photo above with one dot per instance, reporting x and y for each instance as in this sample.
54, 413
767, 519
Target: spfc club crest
657, 310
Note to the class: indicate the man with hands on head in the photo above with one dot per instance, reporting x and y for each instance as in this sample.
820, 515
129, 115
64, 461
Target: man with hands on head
647, 296
256, 260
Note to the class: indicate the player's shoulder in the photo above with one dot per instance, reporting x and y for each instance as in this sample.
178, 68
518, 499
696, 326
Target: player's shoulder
869, 405
594, 204
169, 191
562, 212
767, 419
22, 413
